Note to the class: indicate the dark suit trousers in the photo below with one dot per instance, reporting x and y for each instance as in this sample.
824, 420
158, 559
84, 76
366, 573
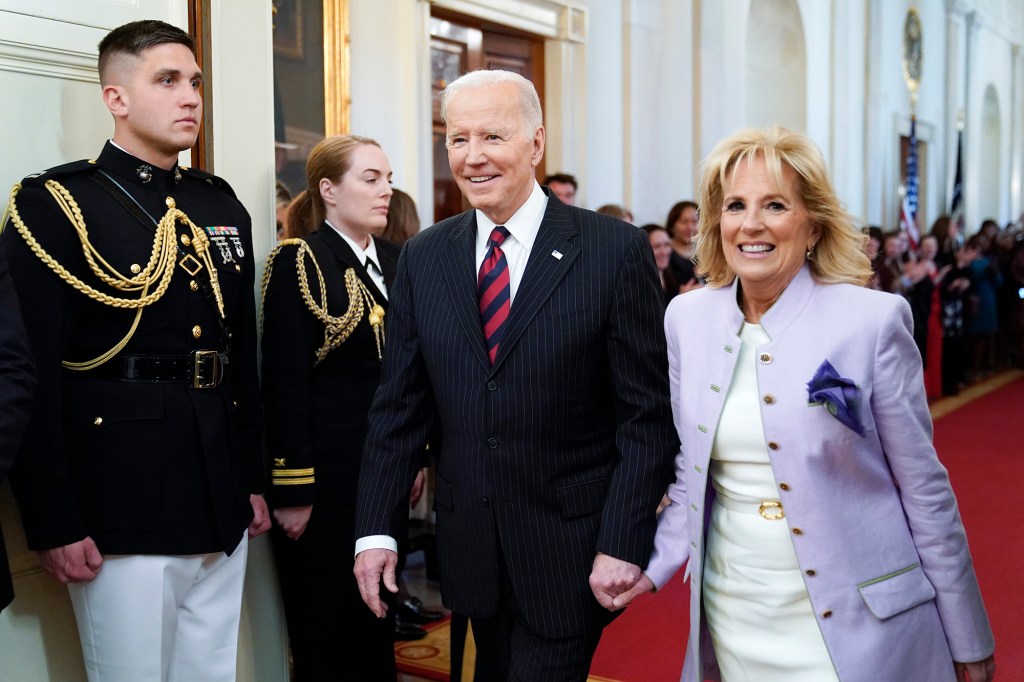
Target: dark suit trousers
507, 649
333, 634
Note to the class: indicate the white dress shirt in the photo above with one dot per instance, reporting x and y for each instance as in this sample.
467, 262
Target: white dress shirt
370, 253
522, 228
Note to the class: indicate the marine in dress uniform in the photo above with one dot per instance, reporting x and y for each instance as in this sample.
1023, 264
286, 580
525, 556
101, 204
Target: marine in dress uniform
156, 450
141, 466
320, 372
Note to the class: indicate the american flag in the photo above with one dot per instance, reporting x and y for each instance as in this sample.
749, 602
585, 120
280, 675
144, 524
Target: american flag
908, 210
956, 206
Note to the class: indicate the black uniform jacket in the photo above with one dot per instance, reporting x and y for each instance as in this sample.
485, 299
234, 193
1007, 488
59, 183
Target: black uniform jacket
17, 380
316, 415
142, 468
560, 449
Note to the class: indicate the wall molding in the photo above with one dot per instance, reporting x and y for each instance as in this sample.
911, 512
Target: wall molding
549, 18
68, 52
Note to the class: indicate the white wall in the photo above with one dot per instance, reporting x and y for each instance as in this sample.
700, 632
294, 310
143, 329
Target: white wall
390, 89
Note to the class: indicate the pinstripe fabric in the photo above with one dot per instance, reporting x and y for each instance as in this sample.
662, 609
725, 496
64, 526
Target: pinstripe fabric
561, 449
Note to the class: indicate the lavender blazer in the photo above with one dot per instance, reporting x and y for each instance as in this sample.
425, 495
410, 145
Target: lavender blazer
874, 521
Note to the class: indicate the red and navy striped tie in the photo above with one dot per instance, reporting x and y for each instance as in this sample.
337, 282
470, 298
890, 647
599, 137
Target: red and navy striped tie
494, 292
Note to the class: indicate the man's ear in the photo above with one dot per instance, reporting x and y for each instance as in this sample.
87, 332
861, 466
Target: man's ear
116, 100
538, 147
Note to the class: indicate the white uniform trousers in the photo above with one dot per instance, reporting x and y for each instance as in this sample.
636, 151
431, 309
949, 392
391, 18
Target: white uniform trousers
149, 618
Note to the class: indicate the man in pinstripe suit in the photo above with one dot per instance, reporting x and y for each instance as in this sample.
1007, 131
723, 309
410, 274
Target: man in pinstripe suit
554, 427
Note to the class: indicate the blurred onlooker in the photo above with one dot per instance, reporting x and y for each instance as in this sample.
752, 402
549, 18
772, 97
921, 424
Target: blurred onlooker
953, 292
983, 322
403, 221
683, 225
890, 269
947, 234
282, 199
564, 186
931, 349
616, 211
661, 245
873, 248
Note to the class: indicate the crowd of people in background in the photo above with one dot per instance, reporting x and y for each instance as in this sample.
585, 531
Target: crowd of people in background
965, 294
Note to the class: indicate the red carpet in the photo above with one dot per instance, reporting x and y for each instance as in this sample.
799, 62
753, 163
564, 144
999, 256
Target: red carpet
982, 445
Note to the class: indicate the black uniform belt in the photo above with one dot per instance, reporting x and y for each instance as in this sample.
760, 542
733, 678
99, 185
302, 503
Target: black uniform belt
200, 369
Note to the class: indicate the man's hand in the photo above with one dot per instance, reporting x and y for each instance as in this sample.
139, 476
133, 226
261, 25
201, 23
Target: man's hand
260, 516
293, 520
371, 566
78, 562
610, 577
980, 671
417, 487
624, 599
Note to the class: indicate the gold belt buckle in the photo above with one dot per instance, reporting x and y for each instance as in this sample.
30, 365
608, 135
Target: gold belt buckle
206, 369
771, 510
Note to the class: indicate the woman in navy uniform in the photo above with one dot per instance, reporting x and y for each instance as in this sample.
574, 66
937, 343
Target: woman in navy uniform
325, 297
135, 278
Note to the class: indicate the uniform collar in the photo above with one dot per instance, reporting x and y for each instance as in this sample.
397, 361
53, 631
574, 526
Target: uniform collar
135, 170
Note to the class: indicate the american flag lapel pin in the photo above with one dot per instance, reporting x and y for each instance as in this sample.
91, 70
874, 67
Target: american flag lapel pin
557, 254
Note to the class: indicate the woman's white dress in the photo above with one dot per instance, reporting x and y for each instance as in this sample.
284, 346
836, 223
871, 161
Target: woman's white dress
758, 611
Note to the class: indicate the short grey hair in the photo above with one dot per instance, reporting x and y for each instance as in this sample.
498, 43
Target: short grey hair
529, 103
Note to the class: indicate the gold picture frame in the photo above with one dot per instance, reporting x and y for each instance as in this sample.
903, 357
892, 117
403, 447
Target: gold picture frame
337, 97
288, 28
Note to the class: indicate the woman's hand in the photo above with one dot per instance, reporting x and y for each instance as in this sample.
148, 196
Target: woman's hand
979, 671
293, 520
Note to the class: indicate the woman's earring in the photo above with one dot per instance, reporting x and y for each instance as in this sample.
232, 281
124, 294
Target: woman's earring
810, 253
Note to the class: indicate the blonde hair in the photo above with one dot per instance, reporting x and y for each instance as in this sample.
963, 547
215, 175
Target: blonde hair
330, 158
839, 255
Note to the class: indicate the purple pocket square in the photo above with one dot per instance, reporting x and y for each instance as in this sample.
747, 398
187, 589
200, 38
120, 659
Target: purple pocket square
839, 396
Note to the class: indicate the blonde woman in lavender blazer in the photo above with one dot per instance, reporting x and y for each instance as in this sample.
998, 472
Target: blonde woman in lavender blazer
880, 584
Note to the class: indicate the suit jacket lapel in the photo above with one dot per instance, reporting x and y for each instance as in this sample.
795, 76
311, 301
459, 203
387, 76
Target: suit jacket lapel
458, 265
554, 251
388, 264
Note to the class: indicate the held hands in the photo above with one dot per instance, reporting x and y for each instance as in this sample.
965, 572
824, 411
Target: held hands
78, 562
614, 581
260, 523
293, 520
979, 671
372, 566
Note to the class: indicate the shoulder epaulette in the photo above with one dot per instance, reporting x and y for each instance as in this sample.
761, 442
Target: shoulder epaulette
214, 180
63, 170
